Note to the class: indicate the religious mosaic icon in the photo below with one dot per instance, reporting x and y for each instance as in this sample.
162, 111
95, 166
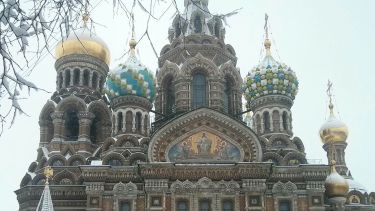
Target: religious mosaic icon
204, 147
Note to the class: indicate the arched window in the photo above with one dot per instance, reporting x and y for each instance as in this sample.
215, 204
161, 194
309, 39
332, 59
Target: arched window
76, 77
129, 121
285, 120
71, 125
94, 129
199, 90
204, 205
138, 122
228, 103
182, 205
119, 122
169, 95
217, 29
266, 119
61, 80
94, 80
86, 76
197, 24
228, 205
276, 120
285, 206
125, 206
67, 78
101, 83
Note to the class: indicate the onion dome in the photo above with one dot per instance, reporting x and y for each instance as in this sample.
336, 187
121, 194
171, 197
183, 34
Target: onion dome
335, 184
333, 130
270, 77
83, 41
131, 78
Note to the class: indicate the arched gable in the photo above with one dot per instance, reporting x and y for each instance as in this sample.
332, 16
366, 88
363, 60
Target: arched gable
199, 62
71, 101
47, 109
229, 70
230, 132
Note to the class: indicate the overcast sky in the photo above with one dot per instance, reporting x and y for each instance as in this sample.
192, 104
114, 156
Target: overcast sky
319, 39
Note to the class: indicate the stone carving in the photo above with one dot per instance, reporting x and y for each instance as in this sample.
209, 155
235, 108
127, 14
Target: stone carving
204, 185
285, 189
125, 189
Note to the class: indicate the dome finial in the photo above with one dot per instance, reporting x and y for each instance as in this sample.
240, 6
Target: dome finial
132, 42
267, 42
86, 15
329, 93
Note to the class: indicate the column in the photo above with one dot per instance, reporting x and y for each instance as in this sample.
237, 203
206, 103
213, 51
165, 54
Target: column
58, 123
142, 123
85, 119
124, 121
81, 77
90, 78
133, 123
71, 77
43, 125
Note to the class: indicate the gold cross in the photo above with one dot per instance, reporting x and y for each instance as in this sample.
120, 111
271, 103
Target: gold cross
48, 172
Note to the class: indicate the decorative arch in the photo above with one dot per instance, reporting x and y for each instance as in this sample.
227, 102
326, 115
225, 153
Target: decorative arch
299, 144
114, 156
71, 102
39, 179
65, 177
32, 167
280, 141
42, 162
68, 149
210, 120
228, 69
107, 143
135, 157
26, 180
101, 124
197, 19
46, 122
276, 158
199, 62
76, 160
300, 157
57, 160
356, 197
121, 141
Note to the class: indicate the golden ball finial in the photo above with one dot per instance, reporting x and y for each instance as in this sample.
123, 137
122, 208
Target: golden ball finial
267, 44
132, 43
335, 184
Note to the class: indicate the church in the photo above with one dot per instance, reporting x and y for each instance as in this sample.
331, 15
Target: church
127, 139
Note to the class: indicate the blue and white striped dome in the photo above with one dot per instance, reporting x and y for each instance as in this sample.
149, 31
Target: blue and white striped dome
131, 78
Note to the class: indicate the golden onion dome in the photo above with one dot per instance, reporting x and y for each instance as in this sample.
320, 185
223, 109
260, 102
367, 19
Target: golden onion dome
335, 184
333, 130
83, 41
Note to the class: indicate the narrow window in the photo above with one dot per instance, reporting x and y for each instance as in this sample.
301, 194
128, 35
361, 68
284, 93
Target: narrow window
76, 77
266, 119
197, 24
228, 205
182, 206
284, 206
199, 90
94, 80
67, 78
86, 76
285, 120
71, 125
204, 205
119, 122
217, 30
61, 80
169, 96
138, 122
228, 97
101, 83
178, 29
125, 206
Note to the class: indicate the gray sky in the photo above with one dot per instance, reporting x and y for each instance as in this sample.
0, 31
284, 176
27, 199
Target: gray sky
319, 39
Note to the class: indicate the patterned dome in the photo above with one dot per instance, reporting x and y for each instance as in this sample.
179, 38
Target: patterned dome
270, 77
131, 78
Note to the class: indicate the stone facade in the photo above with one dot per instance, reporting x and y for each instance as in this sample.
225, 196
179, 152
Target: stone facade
107, 156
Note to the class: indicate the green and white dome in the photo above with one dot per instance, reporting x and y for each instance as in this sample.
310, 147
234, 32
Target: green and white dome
270, 77
131, 78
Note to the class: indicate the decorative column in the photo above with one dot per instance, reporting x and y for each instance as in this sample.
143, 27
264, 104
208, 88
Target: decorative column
43, 125
71, 77
133, 123
58, 123
94, 192
81, 77
85, 119
90, 78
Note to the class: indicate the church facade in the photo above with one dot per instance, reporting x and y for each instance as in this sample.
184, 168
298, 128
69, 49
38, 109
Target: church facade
199, 153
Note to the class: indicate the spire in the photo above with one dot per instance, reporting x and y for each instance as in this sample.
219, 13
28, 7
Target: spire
45, 202
267, 42
132, 42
